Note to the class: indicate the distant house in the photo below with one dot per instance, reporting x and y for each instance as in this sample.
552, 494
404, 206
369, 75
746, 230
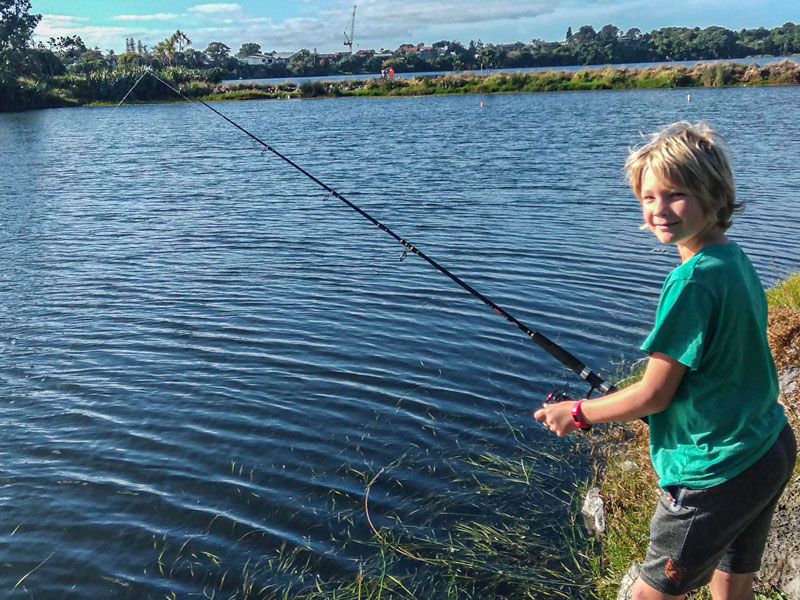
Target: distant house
272, 58
365, 53
283, 57
427, 52
335, 56
421, 50
257, 59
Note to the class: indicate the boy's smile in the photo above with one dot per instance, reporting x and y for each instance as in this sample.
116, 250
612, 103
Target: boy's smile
677, 217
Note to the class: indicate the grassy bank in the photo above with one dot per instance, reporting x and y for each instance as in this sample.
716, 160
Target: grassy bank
628, 483
657, 77
108, 88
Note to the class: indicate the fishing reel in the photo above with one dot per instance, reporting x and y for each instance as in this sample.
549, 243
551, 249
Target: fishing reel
561, 393
558, 395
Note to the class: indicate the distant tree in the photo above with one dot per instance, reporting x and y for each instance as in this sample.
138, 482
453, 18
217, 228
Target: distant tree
194, 59
398, 64
248, 49
633, 34
89, 62
42, 64
585, 35
302, 63
673, 43
68, 48
180, 40
140, 49
164, 53
569, 33
488, 56
609, 34
715, 42
16, 28
130, 59
218, 54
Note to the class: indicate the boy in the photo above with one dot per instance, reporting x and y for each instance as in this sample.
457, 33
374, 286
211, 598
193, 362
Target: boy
719, 440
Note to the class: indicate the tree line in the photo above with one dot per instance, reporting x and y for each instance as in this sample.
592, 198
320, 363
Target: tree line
64, 67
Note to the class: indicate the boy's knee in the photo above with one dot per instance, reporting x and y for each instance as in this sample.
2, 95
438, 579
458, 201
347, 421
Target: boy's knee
643, 591
731, 586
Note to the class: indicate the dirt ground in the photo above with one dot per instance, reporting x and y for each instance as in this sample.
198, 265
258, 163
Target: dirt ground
781, 565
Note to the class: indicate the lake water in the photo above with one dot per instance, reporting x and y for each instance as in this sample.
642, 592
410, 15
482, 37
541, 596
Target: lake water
203, 360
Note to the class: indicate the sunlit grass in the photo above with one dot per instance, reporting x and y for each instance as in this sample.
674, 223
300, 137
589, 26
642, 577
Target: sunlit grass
785, 294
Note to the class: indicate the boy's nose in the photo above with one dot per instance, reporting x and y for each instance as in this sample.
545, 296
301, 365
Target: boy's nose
660, 205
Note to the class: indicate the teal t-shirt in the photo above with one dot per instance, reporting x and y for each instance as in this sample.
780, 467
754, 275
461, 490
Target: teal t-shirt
712, 317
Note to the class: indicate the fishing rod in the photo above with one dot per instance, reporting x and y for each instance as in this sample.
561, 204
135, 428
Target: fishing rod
560, 354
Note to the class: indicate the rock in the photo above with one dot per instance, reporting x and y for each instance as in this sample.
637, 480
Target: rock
780, 567
789, 379
792, 588
594, 512
626, 584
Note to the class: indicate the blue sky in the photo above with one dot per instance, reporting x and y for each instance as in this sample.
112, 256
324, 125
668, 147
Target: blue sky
288, 25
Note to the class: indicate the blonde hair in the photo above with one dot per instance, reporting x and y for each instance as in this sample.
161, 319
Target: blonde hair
692, 158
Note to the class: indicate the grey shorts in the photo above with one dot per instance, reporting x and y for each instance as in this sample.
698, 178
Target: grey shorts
725, 527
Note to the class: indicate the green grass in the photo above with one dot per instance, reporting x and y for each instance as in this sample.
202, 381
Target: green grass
786, 293
660, 77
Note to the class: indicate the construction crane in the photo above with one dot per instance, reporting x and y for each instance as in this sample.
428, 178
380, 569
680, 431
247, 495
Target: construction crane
348, 39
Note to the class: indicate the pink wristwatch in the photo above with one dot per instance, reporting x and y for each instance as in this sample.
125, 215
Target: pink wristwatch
577, 416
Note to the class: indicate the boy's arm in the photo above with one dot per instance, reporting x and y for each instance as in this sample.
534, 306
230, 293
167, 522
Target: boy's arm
651, 395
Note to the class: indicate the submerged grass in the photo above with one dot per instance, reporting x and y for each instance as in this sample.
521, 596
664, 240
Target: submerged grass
496, 528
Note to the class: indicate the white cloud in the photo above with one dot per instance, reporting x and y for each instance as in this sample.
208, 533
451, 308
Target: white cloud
62, 20
226, 7
418, 13
155, 17
56, 26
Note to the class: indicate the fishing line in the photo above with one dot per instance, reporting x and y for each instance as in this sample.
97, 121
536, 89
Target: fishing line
563, 356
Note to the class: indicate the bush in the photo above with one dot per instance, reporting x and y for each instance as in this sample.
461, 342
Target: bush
196, 89
22, 94
312, 89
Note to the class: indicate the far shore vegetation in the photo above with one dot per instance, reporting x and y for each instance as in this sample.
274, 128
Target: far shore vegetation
109, 88
65, 72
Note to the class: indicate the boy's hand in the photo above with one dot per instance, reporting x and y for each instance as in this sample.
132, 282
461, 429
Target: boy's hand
557, 417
